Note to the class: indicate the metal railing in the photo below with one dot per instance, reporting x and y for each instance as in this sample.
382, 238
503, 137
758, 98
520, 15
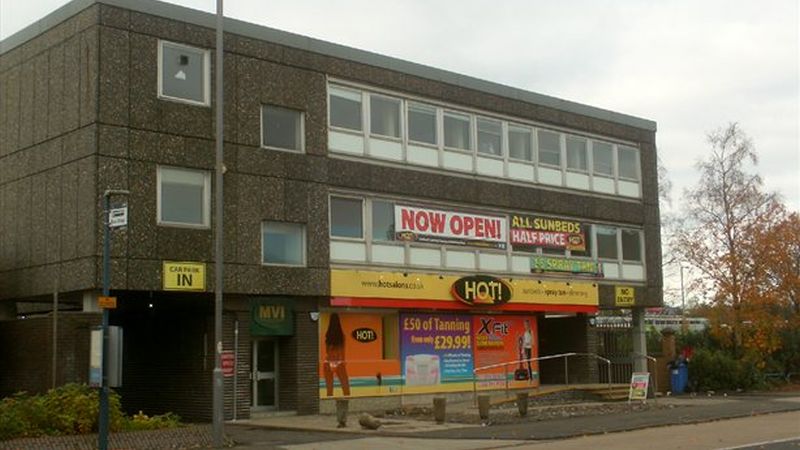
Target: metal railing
523, 362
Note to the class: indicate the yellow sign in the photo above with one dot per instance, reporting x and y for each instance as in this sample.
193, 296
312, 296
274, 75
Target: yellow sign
107, 302
626, 296
183, 276
420, 286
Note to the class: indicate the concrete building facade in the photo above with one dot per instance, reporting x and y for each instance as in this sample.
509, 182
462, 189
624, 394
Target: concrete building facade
438, 223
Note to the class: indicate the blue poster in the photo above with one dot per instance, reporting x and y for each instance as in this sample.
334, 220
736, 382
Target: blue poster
435, 348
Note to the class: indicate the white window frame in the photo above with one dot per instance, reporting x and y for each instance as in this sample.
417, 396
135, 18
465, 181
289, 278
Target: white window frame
303, 244
478, 152
636, 164
400, 109
206, 74
407, 110
206, 198
531, 132
586, 147
302, 148
364, 101
471, 131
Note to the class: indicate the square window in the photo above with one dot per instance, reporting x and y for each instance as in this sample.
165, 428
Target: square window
384, 116
347, 219
519, 143
345, 108
603, 158
606, 242
184, 73
281, 128
283, 243
631, 246
457, 131
490, 137
549, 148
382, 220
422, 123
628, 160
576, 154
183, 197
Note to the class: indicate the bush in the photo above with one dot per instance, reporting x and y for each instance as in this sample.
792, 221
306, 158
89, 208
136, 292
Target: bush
717, 370
69, 409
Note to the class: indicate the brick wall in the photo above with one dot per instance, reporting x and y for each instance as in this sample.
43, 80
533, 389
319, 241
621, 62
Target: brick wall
30, 367
564, 335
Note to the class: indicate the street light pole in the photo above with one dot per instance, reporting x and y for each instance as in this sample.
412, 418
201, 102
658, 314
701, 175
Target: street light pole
683, 304
217, 394
102, 420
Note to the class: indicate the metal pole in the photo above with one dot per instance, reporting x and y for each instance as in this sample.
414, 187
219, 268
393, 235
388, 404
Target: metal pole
235, 366
217, 413
505, 371
103, 419
683, 304
566, 370
55, 332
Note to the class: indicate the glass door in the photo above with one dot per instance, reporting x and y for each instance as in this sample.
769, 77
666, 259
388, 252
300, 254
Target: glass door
265, 374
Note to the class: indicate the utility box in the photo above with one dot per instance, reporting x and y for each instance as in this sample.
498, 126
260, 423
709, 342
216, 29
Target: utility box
113, 360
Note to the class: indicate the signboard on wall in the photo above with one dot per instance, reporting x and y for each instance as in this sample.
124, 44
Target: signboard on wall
531, 232
501, 339
271, 317
418, 290
449, 227
183, 276
624, 296
553, 264
638, 386
435, 348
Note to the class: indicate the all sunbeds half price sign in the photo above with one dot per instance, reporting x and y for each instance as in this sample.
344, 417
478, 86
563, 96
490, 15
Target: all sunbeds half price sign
449, 227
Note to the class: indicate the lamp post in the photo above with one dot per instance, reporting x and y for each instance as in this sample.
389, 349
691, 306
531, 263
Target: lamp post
217, 387
683, 304
102, 420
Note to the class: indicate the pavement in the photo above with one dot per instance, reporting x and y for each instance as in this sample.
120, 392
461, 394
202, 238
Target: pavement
293, 429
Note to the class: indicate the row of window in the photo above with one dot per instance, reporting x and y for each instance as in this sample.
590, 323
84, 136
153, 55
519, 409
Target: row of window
347, 221
393, 125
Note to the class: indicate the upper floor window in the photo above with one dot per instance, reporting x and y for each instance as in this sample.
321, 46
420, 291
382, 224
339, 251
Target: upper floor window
603, 155
283, 243
281, 128
422, 123
519, 143
606, 242
384, 117
628, 162
345, 108
549, 148
490, 137
183, 73
456, 131
183, 196
347, 218
382, 220
631, 245
576, 154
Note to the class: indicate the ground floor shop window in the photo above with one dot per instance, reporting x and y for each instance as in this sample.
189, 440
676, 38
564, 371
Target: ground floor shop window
369, 354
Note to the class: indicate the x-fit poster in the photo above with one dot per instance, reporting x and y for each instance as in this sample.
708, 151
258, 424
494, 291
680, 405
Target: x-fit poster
435, 348
500, 339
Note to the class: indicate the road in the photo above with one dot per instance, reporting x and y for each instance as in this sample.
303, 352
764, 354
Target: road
776, 431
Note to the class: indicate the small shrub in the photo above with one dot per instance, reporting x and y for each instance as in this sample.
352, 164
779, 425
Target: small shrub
718, 370
142, 421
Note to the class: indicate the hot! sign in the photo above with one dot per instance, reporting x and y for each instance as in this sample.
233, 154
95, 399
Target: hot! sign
481, 290
436, 226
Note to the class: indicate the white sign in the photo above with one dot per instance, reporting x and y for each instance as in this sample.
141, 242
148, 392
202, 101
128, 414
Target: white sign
118, 217
436, 226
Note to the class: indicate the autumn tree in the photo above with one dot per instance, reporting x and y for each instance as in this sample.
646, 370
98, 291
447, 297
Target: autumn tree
715, 233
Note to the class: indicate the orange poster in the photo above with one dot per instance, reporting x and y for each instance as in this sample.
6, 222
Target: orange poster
503, 351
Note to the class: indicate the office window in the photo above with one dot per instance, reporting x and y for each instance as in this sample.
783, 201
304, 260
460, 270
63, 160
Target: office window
183, 73
183, 196
576, 154
549, 148
519, 143
606, 242
347, 219
457, 131
422, 123
603, 154
631, 246
628, 161
382, 220
283, 243
490, 137
384, 116
281, 128
345, 108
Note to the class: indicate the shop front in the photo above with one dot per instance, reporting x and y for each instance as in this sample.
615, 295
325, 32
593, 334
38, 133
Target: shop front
393, 333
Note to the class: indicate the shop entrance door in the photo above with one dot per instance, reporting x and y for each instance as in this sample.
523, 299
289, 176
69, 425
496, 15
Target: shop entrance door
265, 374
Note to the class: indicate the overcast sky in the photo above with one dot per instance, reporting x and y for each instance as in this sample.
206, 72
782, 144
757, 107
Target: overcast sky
691, 66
